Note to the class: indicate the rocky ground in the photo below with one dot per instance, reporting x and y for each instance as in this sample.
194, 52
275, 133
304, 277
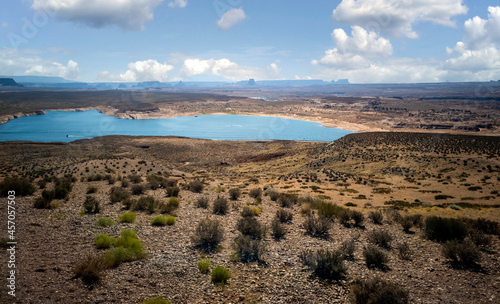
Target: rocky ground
411, 168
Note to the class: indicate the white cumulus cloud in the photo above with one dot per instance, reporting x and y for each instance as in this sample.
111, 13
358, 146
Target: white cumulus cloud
355, 51
227, 69
178, 3
231, 18
126, 14
479, 52
397, 17
27, 62
147, 70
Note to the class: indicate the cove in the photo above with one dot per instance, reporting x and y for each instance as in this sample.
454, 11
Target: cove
67, 126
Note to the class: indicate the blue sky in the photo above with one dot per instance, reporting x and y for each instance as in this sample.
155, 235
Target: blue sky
366, 41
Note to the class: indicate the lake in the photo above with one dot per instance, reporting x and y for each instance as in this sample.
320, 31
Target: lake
67, 126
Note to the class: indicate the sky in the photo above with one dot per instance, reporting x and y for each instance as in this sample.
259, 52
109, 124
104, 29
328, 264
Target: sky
365, 41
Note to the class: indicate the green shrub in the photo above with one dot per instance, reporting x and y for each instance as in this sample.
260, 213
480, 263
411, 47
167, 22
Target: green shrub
157, 300
375, 257
105, 222
442, 229
278, 229
381, 238
234, 193
204, 265
250, 226
376, 217
91, 205
220, 205
21, 186
326, 264
378, 291
317, 226
127, 217
171, 220
463, 253
208, 234
248, 249
284, 216
118, 194
172, 205
91, 189
159, 220
104, 241
202, 202
220, 275
127, 248
90, 269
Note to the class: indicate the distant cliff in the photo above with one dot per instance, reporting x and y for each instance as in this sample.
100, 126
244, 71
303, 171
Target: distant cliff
9, 82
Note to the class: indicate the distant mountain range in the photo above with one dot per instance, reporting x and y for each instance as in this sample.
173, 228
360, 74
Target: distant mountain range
58, 82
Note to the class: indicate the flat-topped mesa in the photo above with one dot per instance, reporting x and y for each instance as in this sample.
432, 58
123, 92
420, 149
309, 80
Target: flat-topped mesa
9, 82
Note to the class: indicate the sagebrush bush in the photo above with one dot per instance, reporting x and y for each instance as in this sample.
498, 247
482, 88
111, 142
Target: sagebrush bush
463, 253
220, 205
127, 217
196, 186
404, 251
348, 247
317, 226
21, 186
137, 189
378, 291
255, 193
220, 275
135, 178
118, 194
91, 189
154, 181
145, 203
330, 210
125, 183
284, 216
273, 194
173, 191
250, 226
286, 200
91, 205
105, 222
202, 202
248, 249
381, 238
483, 225
157, 300
479, 238
247, 212
376, 217
208, 234
62, 187
406, 222
358, 217
442, 229
44, 200
234, 193
90, 270
278, 229
204, 265
344, 217
375, 257
326, 264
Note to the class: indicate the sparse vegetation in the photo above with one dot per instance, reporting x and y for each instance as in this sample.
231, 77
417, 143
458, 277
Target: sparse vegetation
196, 186
381, 238
208, 234
234, 193
284, 216
248, 249
376, 217
442, 229
464, 254
278, 229
91, 205
220, 205
317, 226
375, 257
376, 290
202, 202
90, 270
326, 264
118, 194
21, 186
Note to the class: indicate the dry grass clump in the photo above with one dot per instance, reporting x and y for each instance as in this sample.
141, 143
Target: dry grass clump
376, 217
202, 202
284, 216
381, 238
90, 270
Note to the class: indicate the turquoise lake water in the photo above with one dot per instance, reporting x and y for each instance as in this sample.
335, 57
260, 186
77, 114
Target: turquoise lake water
64, 126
